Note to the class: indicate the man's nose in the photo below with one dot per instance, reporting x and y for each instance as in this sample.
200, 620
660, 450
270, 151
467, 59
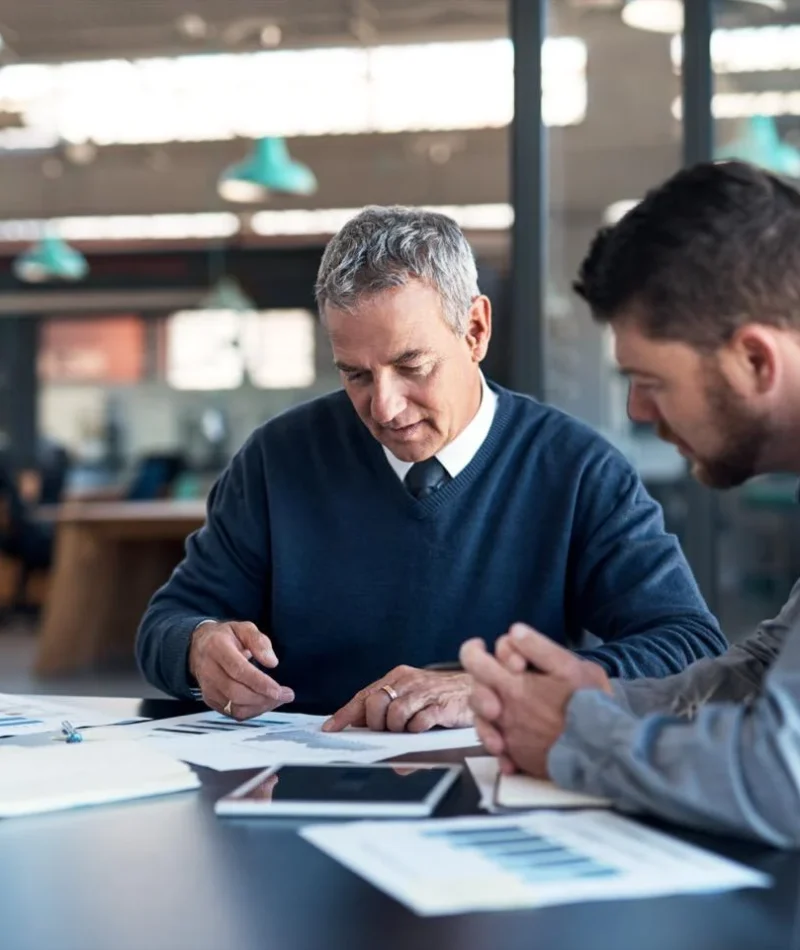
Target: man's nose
641, 407
387, 402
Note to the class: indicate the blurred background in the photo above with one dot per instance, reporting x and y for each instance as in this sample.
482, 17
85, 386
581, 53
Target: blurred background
169, 174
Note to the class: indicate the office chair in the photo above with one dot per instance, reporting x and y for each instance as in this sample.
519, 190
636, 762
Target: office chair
22, 538
155, 477
52, 464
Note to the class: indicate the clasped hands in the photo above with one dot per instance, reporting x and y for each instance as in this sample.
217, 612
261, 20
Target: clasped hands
520, 695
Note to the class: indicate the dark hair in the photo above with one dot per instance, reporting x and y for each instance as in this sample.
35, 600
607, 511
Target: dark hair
715, 247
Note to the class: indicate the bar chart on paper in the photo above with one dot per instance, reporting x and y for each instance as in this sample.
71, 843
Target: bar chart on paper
219, 742
467, 864
523, 853
27, 715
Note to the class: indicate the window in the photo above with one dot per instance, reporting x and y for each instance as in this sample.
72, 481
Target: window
217, 349
288, 93
104, 350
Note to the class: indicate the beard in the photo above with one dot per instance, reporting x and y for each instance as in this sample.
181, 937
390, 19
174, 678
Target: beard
742, 433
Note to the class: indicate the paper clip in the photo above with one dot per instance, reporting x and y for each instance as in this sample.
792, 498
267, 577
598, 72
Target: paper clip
70, 733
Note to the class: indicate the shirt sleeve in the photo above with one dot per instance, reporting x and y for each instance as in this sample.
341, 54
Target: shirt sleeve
630, 581
732, 767
223, 576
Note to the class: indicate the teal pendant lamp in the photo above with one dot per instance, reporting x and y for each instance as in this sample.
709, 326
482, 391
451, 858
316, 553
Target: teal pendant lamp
760, 144
227, 294
50, 258
268, 168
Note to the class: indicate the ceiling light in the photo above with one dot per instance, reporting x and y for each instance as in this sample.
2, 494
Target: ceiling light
227, 294
192, 26
666, 16
51, 258
268, 168
760, 144
80, 153
270, 36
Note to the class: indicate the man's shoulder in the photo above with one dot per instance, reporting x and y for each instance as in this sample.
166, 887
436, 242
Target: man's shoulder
548, 427
316, 417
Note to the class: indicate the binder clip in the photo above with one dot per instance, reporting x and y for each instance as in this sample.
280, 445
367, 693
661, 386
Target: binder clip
70, 733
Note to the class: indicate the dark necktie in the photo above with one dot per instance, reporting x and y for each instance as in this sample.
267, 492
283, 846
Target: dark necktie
424, 478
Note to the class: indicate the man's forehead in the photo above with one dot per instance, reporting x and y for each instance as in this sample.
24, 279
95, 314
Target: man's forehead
637, 353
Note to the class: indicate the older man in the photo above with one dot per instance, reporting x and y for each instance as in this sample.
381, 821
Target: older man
360, 538
700, 286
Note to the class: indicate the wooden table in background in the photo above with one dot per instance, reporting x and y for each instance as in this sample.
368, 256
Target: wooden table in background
110, 558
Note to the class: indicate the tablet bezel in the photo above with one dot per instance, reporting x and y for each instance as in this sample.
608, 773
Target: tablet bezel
236, 804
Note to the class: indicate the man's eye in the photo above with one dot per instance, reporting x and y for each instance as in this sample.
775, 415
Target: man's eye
422, 370
648, 387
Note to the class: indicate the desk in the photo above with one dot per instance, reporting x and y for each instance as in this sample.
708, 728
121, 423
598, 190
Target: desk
168, 875
110, 558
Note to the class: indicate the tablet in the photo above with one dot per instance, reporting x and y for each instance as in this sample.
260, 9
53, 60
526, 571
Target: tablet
383, 790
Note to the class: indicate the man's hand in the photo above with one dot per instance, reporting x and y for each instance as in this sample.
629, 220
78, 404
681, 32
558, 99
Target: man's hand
425, 699
520, 715
219, 658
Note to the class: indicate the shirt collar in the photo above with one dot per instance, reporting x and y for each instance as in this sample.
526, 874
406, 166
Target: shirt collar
457, 455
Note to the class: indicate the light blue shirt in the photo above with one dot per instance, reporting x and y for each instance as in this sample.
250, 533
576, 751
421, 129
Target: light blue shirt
716, 747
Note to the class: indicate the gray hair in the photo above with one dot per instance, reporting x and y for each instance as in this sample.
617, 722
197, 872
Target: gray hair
383, 248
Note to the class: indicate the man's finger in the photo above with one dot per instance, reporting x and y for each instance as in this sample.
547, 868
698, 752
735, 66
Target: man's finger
402, 710
241, 713
486, 703
490, 738
376, 706
216, 699
506, 765
258, 643
506, 652
241, 695
540, 651
241, 671
427, 718
482, 666
351, 714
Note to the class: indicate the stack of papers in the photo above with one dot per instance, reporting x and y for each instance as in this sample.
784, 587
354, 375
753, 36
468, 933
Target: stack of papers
460, 865
47, 778
502, 793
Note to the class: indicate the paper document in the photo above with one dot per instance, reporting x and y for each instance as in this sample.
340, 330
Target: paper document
218, 742
460, 865
46, 778
27, 715
521, 792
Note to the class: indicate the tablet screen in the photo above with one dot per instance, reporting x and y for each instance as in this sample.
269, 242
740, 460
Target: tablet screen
346, 784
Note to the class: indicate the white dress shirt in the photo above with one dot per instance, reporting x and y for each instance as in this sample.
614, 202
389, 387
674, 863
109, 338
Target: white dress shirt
457, 455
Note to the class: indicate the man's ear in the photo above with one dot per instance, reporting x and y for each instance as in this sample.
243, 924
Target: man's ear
751, 358
479, 327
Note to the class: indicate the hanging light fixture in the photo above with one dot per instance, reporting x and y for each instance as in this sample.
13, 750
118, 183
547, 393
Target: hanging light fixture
268, 168
227, 294
760, 144
50, 258
666, 16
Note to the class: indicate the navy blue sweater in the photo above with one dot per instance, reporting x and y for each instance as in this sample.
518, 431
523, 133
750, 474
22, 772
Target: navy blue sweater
311, 535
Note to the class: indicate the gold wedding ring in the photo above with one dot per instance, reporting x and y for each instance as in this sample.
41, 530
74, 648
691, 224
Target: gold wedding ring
389, 692
228, 708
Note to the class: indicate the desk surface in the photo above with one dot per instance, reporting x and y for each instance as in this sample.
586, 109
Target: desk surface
192, 512
166, 874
